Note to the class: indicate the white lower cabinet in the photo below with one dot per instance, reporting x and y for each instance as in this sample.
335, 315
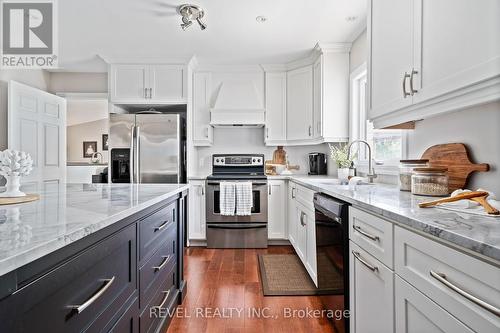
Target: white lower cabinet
416, 313
276, 207
372, 293
292, 214
301, 235
196, 208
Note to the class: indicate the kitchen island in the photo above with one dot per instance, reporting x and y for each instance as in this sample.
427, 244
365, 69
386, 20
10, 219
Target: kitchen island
92, 257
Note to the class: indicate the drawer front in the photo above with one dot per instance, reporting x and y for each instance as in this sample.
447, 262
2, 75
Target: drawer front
373, 234
155, 270
417, 313
129, 321
155, 227
155, 311
87, 291
305, 196
434, 269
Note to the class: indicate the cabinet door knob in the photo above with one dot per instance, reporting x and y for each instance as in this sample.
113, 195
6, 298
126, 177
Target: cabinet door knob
405, 93
310, 130
412, 90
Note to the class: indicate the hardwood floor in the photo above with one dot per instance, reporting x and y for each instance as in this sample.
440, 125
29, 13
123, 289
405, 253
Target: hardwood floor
229, 279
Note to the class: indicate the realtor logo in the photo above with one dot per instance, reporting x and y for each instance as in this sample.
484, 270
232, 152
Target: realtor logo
28, 34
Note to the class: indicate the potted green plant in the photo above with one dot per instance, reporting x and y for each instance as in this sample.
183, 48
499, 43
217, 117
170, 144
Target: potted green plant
340, 155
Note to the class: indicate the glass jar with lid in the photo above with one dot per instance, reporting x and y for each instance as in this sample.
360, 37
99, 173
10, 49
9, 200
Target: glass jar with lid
405, 171
430, 182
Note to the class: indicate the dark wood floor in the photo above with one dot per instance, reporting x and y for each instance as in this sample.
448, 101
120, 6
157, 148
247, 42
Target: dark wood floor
229, 278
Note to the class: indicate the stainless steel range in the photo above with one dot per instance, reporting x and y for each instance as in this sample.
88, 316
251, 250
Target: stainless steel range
235, 231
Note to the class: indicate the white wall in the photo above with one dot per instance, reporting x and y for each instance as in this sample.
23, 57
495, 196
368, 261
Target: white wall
78, 82
90, 131
251, 141
358, 51
477, 127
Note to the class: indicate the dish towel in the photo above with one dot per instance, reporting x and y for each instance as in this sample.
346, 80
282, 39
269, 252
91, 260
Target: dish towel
244, 198
227, 202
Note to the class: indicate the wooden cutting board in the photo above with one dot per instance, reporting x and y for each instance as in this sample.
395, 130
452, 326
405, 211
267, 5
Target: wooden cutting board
455, 157
18, 200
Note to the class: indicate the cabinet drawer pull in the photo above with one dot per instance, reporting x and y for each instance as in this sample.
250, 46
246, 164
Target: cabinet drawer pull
87, 303
293, 192
405, 93
310, 130
162, 226
442, 278
163, 263
413, 72
364, 262
302, 219
364, 233
165, 298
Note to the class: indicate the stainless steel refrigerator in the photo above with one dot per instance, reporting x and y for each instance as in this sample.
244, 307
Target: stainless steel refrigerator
151, 148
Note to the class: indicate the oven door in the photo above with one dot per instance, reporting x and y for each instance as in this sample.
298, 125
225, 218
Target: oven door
259, 208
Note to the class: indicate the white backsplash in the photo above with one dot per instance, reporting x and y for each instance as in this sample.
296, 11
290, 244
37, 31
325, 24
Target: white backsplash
236, 140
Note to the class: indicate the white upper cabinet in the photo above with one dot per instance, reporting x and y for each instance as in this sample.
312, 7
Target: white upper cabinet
457, 44
275, 131
299, 120
148, 84
390, 57
128, 82
202, 131
317, 98
433, 57
167, 83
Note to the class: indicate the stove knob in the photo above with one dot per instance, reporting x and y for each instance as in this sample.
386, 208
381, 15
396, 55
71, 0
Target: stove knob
253, 160
217, 160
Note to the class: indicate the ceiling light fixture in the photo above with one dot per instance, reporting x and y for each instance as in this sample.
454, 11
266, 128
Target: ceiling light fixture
261, 19
191, 13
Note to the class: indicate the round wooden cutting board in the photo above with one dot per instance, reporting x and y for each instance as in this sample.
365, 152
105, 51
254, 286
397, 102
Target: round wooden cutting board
18, 200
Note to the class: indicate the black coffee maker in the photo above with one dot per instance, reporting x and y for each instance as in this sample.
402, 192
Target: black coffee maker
317, 164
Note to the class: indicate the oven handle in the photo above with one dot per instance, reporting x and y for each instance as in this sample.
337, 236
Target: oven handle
237, 226
218, 183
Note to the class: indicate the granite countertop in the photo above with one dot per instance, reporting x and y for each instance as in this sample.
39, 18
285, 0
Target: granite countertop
66, 213
480, 234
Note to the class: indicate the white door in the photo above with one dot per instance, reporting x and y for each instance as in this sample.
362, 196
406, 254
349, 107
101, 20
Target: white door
311, 264
372, 293
299, 116
416, 313
292, 215
167, 83
37, 125
129, 83
457, 44
275, 107
197, 220
318, 98
202, 131
301, 236
276, 209
390, 32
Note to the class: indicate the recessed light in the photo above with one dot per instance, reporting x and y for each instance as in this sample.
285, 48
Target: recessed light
261, 19
351, 18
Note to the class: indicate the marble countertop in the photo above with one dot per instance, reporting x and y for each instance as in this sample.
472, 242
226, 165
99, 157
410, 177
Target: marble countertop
66, 213
480, 234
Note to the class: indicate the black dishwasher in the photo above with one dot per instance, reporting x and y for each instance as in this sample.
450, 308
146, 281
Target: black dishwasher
332, 253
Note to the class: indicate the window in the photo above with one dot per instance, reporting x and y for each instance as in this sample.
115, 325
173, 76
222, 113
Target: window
388, 146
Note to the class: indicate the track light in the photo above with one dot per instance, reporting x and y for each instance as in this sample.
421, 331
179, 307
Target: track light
191, 13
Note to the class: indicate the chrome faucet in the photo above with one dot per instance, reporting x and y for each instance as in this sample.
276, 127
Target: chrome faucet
371, 172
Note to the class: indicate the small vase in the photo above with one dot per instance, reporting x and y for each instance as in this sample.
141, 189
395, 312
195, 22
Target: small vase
12, 187
343, 174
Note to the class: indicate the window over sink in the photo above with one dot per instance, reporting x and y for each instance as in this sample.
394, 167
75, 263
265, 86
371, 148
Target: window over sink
388, 145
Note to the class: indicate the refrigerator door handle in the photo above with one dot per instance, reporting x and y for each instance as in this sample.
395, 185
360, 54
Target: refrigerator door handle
138, 154
132, 157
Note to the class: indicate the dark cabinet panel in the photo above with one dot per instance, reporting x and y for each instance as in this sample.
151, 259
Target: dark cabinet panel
84, 292
155, 270
153, 229
158, 310
129, 321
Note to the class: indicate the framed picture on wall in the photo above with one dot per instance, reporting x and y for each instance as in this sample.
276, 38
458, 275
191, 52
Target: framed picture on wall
89, 148
105, 142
